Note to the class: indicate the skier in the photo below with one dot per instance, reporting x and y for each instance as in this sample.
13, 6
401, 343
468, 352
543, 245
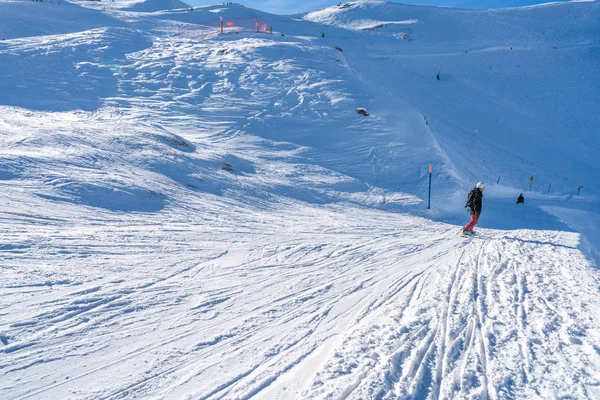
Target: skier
474, 204
520, 199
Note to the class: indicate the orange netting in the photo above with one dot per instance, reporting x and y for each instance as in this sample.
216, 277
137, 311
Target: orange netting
228, 25
242, 24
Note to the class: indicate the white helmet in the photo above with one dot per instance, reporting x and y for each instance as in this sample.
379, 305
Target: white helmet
480, 185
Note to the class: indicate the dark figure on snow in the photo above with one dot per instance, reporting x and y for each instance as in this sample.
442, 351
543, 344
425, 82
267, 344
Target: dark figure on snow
474, 204
520, 199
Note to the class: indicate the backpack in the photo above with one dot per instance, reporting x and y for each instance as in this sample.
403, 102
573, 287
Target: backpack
471, 199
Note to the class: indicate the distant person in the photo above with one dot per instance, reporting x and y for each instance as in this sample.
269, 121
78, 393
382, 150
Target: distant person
474, 205
520, 199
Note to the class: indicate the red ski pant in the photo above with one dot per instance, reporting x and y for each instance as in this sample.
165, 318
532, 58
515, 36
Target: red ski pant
474, 220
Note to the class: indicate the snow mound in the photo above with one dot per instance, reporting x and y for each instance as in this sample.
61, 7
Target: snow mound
337, 15
361, 15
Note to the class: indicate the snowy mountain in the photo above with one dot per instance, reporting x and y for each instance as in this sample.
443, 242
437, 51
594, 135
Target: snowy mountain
484, 3
189, 214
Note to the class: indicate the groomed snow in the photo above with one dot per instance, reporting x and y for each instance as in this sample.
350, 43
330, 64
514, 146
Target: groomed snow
194, 215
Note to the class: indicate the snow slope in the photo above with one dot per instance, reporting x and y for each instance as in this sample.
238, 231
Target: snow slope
515, 93
151, 5
21, 18
485, 3
206, 216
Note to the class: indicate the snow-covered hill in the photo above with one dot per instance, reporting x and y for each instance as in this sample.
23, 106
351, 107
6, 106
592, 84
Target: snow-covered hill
194, 215
484, 3
151, 5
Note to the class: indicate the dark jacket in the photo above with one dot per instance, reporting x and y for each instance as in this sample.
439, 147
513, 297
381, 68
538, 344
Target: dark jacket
520, 199
474, 202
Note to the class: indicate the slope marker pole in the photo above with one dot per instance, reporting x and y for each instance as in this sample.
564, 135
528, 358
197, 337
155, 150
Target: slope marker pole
429, 197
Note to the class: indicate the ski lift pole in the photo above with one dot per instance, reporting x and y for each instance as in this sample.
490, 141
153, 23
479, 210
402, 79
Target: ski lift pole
429, 197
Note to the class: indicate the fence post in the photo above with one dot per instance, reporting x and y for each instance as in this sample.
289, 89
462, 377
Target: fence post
429, 197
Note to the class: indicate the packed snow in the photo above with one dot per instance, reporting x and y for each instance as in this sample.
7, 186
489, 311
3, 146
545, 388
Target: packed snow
195, 215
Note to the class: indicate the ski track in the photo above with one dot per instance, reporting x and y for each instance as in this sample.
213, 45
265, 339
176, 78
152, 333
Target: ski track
494, 320
456, 351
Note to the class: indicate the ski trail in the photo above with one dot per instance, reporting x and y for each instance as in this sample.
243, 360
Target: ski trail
480, 312
441, 364
446, 349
